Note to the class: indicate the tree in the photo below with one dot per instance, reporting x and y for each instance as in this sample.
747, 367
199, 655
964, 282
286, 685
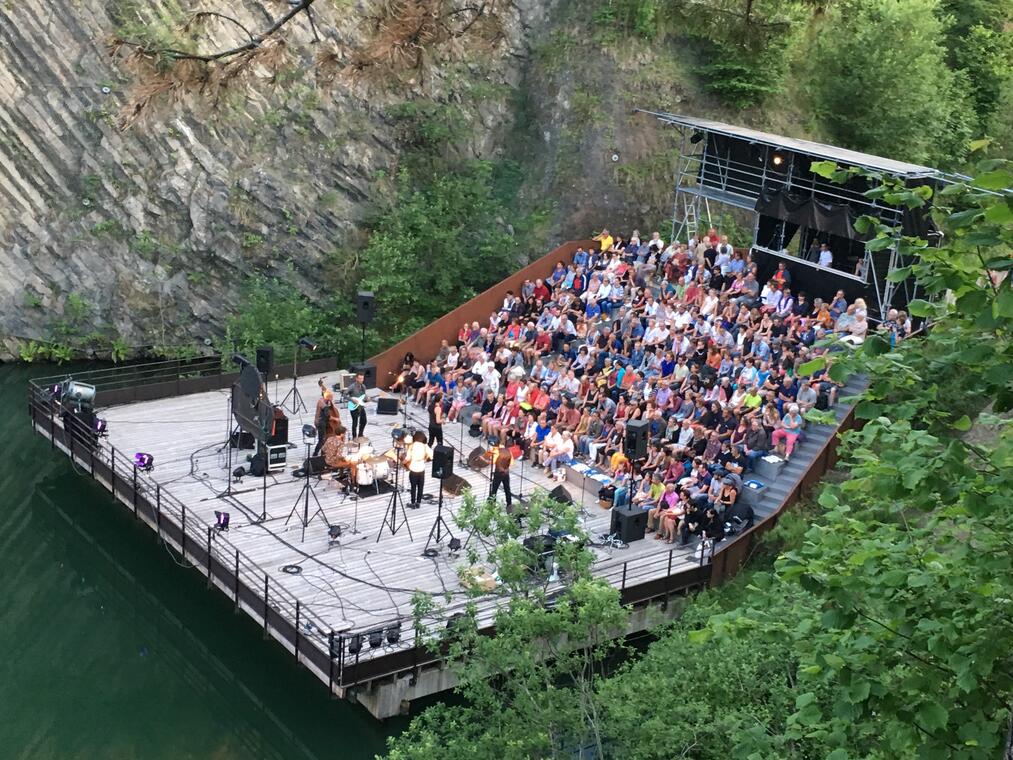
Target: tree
529, 690
880, 81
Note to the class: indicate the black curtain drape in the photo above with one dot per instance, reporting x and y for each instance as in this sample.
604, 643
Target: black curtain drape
806, 211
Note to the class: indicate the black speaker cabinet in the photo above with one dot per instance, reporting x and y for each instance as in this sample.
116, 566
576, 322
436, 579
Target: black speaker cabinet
265, 360
386, 405
242, 440
629, 524
636, 439
368, 371
443, 461
455, 485
475, 459
560, 494
365, 306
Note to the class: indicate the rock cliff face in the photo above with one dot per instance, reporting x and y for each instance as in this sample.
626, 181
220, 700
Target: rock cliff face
147, 234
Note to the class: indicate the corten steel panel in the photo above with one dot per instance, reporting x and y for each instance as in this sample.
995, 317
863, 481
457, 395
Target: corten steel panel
426, 342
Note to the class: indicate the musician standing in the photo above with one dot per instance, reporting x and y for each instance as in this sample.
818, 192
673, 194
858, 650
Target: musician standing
324, 410
357, 404
501, 460
416, 456
436, 419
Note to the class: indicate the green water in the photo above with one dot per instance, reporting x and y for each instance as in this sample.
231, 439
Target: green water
108, 649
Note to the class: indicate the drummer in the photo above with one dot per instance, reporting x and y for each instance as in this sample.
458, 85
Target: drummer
334, 453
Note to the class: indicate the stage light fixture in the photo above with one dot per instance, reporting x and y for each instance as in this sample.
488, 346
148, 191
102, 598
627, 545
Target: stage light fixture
355, 644
144, 462
239, 473
394, 633
376, 638
221, 521
100, 426
697, 137
334, 531
308, 431
308, 344
241, 361
82, 394
777, 160
454, 545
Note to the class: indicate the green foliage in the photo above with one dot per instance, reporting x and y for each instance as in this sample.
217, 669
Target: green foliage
744, 48
529, 690
881, 82
251, 240
441, 243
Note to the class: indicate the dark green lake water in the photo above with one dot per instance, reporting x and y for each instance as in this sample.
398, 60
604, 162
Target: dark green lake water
108, 649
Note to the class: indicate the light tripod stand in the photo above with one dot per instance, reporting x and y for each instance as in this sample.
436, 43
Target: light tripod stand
440, 528
304, 499
390, 520
297, 400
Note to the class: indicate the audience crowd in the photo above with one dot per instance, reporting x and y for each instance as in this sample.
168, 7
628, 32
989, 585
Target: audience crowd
681, 335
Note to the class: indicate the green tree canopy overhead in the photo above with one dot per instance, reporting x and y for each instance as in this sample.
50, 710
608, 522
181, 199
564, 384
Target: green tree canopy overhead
882, 83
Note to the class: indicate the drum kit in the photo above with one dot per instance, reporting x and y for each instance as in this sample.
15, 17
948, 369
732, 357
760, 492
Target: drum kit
369, 468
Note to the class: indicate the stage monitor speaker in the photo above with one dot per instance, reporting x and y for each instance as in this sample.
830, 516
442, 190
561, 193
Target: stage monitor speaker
386, 405
265, 360
636, 439
365, 307
443, 462
475, 459
368, 371
560, 494
629, 524
455, 485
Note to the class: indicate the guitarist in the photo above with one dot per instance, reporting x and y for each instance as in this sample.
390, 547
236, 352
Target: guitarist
357, 404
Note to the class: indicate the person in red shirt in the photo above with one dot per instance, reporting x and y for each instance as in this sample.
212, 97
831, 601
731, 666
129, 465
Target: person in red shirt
541, 291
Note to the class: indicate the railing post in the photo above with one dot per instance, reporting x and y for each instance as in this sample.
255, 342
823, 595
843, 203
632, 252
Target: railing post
134, 493
235, 582
266, 590
158, 510
182, 538
112, 470
52, 426
623, 586
209, 555
297, 610
330, 663
668, 576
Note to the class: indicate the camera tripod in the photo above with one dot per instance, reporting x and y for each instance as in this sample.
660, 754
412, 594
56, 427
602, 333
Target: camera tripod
440, 528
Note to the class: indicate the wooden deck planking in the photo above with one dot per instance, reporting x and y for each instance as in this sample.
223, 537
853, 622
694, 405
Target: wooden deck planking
360, 583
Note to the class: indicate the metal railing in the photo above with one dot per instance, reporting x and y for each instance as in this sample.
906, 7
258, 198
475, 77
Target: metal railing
283, 616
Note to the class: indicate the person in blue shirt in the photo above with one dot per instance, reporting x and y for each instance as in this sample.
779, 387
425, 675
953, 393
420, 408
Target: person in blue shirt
637, 355
593, 310
580, 257
668, 365
571, 272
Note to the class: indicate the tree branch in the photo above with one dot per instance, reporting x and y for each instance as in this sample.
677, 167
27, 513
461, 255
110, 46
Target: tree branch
200, 15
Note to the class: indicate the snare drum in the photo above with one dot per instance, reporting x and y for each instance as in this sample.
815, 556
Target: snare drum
364, 475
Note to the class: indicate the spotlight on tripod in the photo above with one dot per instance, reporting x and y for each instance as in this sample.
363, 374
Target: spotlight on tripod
238, 474
221, 521
308, 344
308, 431
240, 361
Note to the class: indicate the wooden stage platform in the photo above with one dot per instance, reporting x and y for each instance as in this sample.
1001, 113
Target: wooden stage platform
314, 596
